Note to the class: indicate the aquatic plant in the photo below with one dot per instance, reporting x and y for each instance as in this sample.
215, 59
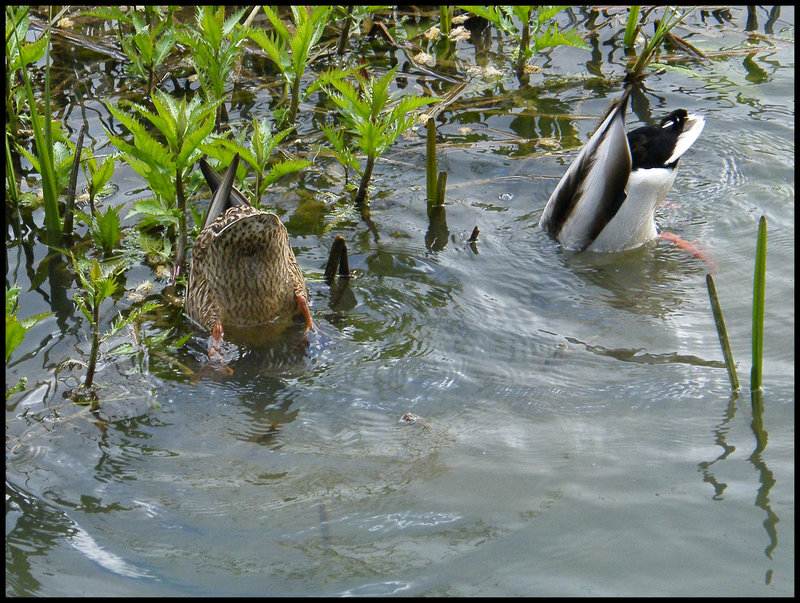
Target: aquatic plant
759, 287
758, 315
98, 282
19, 54
668, 21
535, 34
149, 44
258, 153
291, 50
722, 332
105, 228
216, 43
372, 116
16, 330
43, 136
184, 127
97, 176
632, 26
436, 181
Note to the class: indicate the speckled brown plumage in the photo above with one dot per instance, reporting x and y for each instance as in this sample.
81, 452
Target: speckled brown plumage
243, 271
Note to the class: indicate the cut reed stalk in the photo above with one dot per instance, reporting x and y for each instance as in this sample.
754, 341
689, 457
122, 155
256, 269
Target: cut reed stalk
759, 280
430, 160
722, 332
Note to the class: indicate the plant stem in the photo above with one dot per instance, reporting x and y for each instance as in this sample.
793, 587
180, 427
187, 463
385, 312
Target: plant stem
345, 31
758, 305
361, 196
722, 332
95, 343
295, 99
631, 28
73, 181
523, 48
181, 254
430, 160
441, 183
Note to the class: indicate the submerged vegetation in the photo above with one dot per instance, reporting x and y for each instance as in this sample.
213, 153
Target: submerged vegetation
339, 96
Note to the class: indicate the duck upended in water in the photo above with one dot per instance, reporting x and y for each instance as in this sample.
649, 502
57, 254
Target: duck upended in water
243, 274
607, 198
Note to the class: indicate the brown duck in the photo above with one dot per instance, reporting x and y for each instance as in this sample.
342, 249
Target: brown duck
243, 278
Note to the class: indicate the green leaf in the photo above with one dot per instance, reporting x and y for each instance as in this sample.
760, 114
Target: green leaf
103, 174
11, 298
288, 166
80, 301
14, 334
122, 321
28, 323
552, 38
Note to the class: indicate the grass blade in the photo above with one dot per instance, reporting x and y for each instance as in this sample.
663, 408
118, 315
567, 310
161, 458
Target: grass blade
722, 332
42, 131
758, 305
632, 28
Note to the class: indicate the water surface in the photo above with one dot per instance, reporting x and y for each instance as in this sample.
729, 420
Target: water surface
576, 432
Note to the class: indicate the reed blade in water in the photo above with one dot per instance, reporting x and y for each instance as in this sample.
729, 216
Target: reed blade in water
632, 27
43, 135
722, 332
430, 160
758, 305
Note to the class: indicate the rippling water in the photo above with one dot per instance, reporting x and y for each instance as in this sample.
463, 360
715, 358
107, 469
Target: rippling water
574, 432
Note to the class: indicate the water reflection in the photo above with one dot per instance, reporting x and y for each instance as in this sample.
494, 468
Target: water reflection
765, 476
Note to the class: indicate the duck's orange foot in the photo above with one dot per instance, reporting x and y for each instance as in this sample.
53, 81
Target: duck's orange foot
215, 351
689, 247
302, 307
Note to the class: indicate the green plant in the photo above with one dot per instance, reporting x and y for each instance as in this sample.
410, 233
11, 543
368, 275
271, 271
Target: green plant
98, 282
184, 127
258, 154
217, 44
436, 182
669, 19
759, 281
16, 330
716, 309
374, 118
97, 176
43, 136
758, 315
632, 26
290, 51
535, 35
106, 231
150, 41
19, 55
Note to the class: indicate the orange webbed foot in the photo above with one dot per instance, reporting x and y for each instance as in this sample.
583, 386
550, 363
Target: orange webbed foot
302, 307
215, 350
689, 247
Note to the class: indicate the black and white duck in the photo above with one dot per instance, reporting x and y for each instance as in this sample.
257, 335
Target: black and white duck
606, 200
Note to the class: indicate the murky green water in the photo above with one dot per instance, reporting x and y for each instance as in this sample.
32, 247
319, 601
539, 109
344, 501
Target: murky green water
577, 435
